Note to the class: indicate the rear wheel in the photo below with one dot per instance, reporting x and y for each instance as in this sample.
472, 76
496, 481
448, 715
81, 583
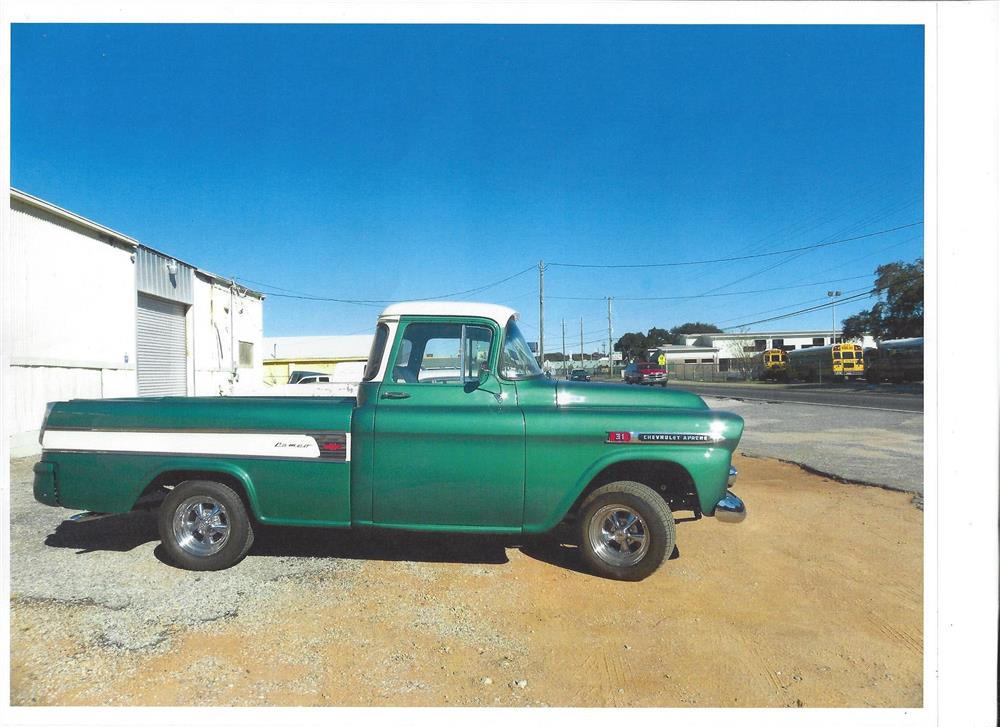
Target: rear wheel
204, 526
626, 531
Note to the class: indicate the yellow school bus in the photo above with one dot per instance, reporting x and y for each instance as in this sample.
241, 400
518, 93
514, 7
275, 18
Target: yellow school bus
774, 364
837, 362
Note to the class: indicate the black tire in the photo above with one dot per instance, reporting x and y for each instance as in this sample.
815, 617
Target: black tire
198, 540
655, 521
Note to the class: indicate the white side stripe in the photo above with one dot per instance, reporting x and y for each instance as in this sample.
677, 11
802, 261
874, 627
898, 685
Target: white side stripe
248, 444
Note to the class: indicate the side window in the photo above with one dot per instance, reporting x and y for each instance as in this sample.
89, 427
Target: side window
432, 353
477, 350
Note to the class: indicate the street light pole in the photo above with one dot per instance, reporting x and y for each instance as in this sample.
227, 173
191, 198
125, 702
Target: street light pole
834, 294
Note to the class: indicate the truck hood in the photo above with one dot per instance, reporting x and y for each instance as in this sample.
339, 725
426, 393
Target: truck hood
578, 393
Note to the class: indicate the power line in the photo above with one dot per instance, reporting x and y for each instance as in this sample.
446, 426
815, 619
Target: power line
298, 295
713, 295
867, 294
790, 305
742, 257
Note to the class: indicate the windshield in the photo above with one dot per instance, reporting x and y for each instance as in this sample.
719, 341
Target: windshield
517, 361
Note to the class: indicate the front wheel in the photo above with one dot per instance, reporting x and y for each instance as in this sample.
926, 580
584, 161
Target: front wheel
204, 526
626, 531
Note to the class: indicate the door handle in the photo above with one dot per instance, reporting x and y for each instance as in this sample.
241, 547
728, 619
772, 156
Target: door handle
394, 395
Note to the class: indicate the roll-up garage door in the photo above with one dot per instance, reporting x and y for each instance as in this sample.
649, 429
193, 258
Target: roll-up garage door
161, 355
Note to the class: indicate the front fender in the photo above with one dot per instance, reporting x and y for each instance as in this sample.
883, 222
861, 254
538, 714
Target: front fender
707, 467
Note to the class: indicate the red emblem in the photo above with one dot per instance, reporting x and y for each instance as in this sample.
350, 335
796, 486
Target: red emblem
332, 446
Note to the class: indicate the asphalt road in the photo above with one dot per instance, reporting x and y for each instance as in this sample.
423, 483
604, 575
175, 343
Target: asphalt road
882, 447
866, 396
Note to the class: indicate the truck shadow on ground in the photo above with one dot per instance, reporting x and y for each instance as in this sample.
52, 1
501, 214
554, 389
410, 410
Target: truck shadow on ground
116, 533
123, 533
370, 544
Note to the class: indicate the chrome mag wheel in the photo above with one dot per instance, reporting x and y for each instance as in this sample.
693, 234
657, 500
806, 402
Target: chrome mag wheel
618, 535
201, 525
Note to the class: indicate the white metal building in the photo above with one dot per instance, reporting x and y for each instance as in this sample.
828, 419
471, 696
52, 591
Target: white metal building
684, 354
732, 346
92, 313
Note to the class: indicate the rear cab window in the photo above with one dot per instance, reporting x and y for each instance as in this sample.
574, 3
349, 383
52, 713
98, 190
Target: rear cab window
375, 355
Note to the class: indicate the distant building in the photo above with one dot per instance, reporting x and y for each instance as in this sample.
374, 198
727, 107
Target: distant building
685, 354
92, 313
732, 346
342, 357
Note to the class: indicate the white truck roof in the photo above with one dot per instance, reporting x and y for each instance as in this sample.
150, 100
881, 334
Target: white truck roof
499, 313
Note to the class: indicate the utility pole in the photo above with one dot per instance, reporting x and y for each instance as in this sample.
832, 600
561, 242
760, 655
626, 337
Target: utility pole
541, 313
611, 349
564, 348
581, 342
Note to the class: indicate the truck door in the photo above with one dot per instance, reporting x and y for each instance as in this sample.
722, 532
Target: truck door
448, 452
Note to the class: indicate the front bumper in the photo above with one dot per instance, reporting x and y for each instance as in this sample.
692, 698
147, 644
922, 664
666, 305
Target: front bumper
730, 509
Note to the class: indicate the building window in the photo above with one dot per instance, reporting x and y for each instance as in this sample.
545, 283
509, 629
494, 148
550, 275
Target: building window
760, 344
723, 365
788, 348
246, 355
690, 360
708, 360
818, 341
777, 343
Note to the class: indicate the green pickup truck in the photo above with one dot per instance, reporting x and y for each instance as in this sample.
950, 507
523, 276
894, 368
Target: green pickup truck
454, 429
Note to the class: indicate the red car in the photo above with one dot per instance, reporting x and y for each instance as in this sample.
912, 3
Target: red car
645, 373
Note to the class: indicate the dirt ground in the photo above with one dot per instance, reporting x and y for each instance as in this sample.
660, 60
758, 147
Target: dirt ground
815, 600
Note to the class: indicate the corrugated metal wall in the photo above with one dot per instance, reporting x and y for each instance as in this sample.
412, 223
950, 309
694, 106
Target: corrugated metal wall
152, 276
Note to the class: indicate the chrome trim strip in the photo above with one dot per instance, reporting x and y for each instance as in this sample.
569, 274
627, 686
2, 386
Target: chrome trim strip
666, 438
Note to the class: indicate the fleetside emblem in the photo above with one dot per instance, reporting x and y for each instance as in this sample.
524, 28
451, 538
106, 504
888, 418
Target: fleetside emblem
661, 437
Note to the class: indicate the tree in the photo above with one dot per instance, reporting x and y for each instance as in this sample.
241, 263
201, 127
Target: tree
746, 358
677, 332
899, 312
658, 337
632, 345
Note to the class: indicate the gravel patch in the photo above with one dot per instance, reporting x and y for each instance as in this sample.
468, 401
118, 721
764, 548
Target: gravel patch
110, 570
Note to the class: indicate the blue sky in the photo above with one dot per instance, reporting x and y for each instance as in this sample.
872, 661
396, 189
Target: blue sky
393, 162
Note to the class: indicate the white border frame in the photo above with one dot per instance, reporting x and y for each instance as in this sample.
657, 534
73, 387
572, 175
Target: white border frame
960, 555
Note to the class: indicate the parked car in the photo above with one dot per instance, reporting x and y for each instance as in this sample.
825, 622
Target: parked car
501, 449
296, 376
314, 379
579, 375
645, 373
